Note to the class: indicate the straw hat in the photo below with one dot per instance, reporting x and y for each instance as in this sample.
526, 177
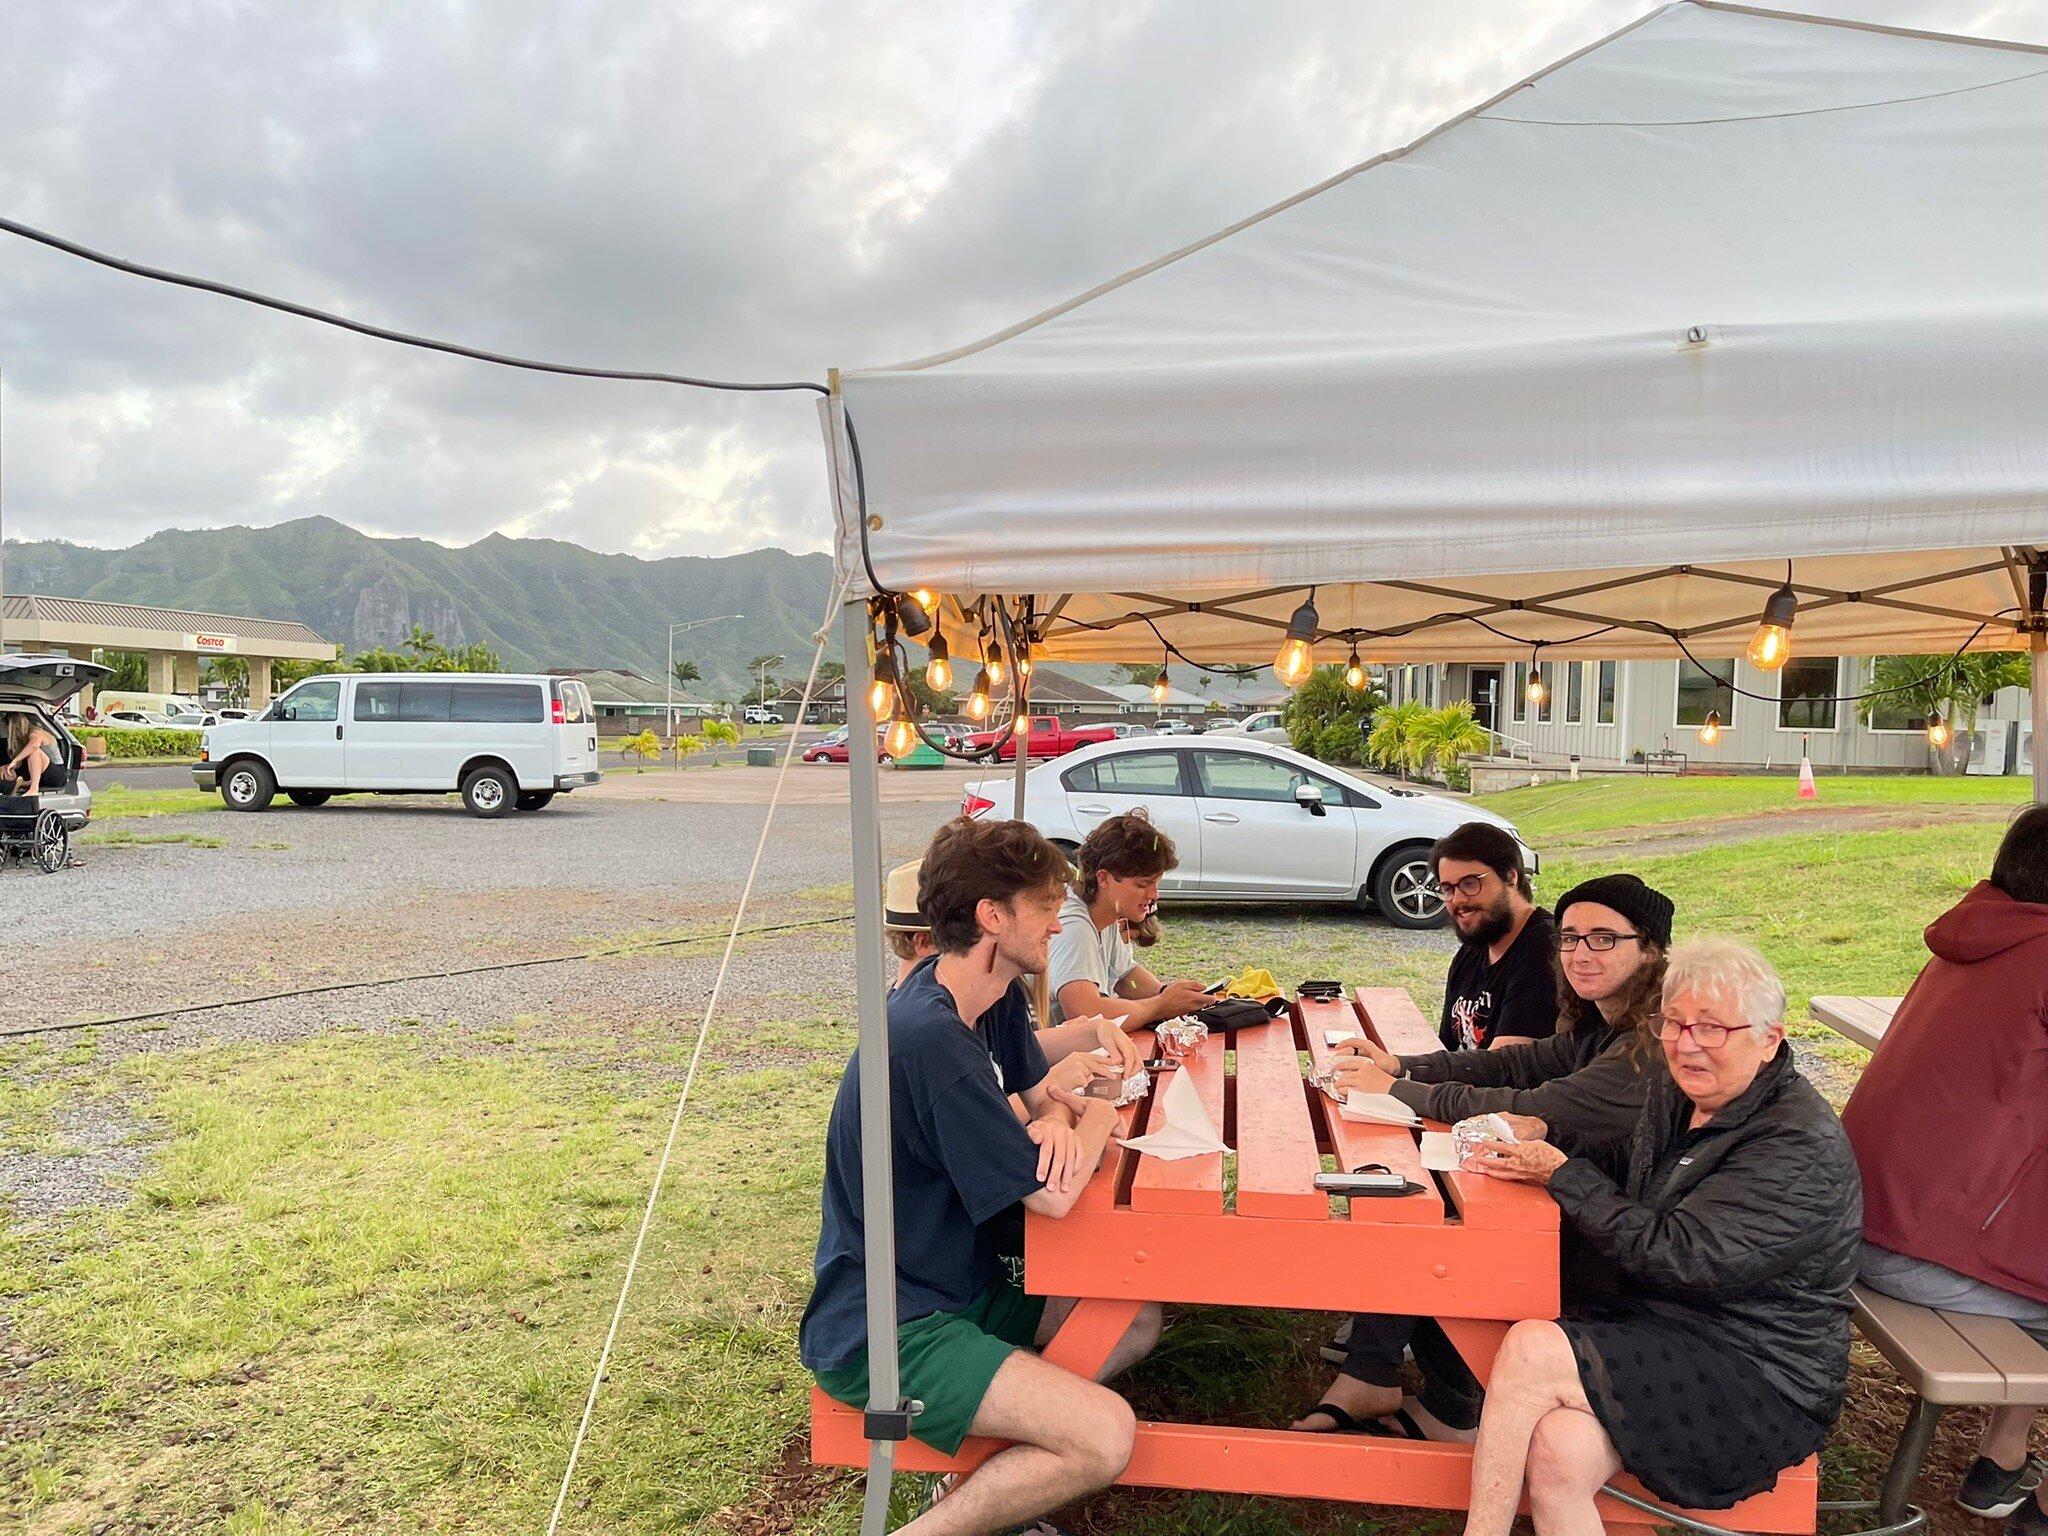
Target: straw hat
899, 900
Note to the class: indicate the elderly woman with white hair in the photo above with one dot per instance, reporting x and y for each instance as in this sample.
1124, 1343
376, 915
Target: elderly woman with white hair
1711, 1252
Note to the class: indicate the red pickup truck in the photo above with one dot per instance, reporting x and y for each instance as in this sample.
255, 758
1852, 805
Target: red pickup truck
1048, 738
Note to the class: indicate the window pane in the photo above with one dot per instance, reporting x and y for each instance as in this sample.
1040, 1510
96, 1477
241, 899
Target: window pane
499, 703
1548, 672
1238, 776
1606, 703
1518, 692
1805, 688
1139, 773
1700, 692
315, 701
575, 702
1574, 692
1081, 779
376, 701
424, 701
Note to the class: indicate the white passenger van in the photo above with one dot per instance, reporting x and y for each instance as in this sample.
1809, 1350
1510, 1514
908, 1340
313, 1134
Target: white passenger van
503, 740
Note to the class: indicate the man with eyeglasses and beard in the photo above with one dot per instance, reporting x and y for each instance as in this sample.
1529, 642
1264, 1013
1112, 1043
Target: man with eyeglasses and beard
1502, 988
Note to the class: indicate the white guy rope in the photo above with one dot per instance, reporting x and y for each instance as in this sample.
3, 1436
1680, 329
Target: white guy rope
696, 1055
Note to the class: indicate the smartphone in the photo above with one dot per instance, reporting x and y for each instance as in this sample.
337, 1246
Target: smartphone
1162, 1064
1214, 987
1362, 1183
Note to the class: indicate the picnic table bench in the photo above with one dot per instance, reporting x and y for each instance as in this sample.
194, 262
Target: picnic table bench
1861, 1019
1474, 1252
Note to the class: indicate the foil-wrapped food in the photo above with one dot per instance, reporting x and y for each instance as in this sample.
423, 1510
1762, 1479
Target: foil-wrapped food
1325, 1078
1132, 1089
1179, 1036
1468, 1136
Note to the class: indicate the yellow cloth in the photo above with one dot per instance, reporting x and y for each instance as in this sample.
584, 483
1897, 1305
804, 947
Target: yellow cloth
1254, 982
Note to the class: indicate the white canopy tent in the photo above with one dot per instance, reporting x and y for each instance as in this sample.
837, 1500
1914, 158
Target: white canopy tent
1584, 368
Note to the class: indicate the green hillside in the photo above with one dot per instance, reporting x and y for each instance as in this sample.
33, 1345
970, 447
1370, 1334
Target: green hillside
538, 602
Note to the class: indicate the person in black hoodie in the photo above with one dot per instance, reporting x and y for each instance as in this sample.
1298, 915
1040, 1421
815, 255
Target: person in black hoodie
1583, 1083
1722, 1235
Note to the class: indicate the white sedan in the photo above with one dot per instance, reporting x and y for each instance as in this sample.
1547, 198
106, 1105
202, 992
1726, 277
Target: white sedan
1251, 821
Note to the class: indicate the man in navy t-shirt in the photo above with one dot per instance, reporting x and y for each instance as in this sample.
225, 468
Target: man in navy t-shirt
979, 1125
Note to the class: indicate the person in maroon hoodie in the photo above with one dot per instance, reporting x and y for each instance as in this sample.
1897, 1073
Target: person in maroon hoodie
1950, 1127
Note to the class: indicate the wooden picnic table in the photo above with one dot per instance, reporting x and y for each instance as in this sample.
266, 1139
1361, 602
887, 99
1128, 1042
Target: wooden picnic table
1475, 1252
1862, 1019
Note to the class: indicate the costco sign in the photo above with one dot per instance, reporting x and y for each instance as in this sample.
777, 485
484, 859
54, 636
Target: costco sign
210, 645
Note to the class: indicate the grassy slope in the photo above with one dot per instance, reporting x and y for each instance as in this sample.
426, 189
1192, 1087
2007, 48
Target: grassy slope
365, 1278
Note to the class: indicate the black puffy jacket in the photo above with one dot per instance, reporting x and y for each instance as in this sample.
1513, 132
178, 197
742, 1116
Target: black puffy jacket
1748, 1228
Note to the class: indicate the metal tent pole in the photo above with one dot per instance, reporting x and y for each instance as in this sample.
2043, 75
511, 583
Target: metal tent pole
878, 1188
1023, 720
2039, 641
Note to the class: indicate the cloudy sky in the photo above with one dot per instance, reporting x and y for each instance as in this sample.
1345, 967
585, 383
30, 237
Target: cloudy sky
732, 188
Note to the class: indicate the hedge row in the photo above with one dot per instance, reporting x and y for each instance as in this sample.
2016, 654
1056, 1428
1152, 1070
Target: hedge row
142, 741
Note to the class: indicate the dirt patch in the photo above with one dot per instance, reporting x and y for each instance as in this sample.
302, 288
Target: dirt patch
789, 1497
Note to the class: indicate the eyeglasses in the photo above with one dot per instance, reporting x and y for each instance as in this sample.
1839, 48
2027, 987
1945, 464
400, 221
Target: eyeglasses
1706, 1036
1468, 887
1599, 940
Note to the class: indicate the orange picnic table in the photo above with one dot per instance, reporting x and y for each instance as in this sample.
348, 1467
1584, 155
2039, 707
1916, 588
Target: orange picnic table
1474, 1252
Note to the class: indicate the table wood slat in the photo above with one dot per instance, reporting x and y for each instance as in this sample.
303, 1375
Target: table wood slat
1100, 1195
1356, 1144
1189, 1185
1398, 1023
1277, 1160
1863, 1020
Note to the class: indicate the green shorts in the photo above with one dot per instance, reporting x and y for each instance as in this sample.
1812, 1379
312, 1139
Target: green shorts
947, 1360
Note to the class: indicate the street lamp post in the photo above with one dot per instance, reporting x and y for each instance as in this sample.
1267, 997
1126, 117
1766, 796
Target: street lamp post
682, 627
766, 663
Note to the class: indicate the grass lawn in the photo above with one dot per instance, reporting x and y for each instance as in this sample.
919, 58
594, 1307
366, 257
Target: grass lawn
361, 1283
116, 802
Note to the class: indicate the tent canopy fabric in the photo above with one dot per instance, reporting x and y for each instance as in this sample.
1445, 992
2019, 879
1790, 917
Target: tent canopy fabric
1586, 365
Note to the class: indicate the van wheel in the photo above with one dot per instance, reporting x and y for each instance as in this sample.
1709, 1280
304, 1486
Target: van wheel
489, 792
533, 799
1404, 890
247, 786
306, 799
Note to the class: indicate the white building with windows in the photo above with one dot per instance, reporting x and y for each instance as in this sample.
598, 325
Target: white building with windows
1607, 713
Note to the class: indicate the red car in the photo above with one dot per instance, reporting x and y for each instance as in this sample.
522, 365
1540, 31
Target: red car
1048, 738
833, 748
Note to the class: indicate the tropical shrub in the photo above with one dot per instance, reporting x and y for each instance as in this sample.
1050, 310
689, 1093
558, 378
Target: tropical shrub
145, 741
723, 731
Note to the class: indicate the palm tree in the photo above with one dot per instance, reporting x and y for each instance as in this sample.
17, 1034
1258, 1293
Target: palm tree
1393, 731
1442, 736
1956, 686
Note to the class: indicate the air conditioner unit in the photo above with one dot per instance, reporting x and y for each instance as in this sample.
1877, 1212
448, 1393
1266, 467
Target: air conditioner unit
2023, 754
1991, 749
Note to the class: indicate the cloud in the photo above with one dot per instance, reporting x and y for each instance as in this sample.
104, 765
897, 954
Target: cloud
744, 189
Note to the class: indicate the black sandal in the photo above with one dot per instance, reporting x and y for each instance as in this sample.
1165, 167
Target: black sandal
1394, 1426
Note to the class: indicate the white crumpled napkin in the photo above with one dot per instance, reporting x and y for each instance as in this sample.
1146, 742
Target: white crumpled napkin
1186, 1131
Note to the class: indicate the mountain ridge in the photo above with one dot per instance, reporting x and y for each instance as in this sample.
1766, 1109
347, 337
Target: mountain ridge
537, 602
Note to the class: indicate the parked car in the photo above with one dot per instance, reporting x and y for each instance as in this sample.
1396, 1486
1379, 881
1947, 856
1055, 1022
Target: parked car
39, 686
760, 714
1264, 726
161, 708
1123, 730
1048, 738
1172, 727
1252, 822
833, 748
236, 714
503, 740
131, 717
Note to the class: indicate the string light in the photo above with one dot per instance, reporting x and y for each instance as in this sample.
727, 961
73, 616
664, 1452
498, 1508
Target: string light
901, 739
977, 701
1354, 672
1711, 731
994, 665
938, 671
882, 691
1024, 662
1771, 647
1937, 730
1538, 690
1162, 685
915, 610
1297, 658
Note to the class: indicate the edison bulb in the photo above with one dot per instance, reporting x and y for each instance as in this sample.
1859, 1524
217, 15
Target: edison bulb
1297, 659
1711, 731
1770, 647
939, 672
1538, 691
881, 697
902, 738
1160, 687
1354, 673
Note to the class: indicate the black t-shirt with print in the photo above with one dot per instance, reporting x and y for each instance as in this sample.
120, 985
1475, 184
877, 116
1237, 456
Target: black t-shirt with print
1515, 995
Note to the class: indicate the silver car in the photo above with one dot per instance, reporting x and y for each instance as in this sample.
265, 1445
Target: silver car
39, 687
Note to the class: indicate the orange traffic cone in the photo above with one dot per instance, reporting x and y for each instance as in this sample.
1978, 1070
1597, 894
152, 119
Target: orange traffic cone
1806, 786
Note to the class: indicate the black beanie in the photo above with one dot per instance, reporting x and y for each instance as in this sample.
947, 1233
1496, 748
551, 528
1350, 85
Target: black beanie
1648, 909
